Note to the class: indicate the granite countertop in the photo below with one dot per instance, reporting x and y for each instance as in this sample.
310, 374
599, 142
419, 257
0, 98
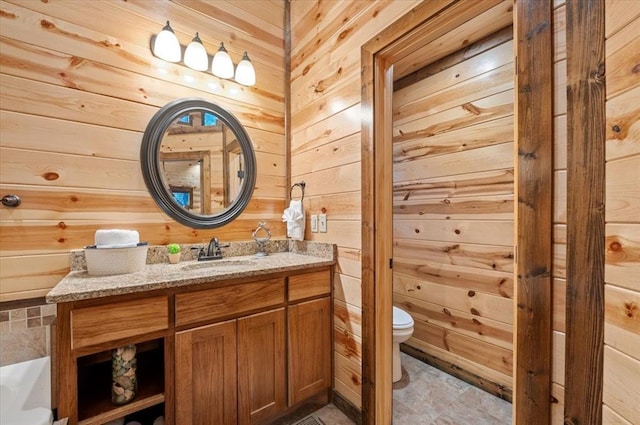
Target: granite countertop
79, 285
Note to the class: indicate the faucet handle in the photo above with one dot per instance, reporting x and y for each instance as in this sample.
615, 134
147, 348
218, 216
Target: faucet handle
200, 250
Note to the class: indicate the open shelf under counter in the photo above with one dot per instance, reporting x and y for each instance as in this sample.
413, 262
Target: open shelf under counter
94, 387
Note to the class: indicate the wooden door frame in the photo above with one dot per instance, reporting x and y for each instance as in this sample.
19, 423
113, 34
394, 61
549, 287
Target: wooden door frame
534, 170
586, 235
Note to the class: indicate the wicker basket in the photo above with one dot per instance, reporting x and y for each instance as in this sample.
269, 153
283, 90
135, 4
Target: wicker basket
110, 261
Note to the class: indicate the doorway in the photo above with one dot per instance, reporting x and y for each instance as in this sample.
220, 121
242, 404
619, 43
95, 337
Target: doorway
432, 21
453, 208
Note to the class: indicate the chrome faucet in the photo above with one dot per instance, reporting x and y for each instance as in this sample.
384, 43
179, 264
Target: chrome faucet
214, 248
213, 251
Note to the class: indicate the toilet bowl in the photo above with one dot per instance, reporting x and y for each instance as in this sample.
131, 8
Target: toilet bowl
402, 331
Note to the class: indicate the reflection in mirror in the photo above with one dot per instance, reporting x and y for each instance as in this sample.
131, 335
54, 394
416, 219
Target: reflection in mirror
183, 196
198, 152
198, 163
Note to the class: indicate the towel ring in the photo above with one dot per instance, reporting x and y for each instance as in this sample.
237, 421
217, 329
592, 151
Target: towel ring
301, 185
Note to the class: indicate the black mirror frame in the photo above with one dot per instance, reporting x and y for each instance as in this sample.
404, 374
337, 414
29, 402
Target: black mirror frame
150, 164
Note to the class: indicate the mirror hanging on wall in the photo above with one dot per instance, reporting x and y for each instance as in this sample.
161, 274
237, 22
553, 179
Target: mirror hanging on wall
198, 163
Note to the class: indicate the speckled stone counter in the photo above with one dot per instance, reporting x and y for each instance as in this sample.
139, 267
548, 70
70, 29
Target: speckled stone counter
238, 262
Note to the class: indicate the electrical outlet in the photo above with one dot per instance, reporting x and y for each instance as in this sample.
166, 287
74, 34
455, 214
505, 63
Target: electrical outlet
314, 223
322, 223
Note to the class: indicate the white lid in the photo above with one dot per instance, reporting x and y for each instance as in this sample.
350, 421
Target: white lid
401, 319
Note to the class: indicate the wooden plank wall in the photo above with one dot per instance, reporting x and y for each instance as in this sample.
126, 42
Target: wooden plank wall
326, 147
79, 85
622, 215
453, 204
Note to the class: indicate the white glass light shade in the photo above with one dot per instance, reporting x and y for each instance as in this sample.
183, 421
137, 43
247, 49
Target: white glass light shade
221, 65
166, 45
195, 57
245, 73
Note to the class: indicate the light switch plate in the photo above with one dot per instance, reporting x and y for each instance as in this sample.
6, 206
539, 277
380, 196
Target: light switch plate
322, 223
314, 223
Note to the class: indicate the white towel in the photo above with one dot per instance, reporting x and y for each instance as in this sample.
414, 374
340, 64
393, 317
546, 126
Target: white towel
116, 238
294, 217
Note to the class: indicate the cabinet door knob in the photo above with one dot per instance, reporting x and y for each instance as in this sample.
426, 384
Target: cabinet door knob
11, 200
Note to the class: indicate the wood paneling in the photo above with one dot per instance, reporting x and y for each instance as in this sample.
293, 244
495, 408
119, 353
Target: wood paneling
621, 384
622, 246
623, 125
348, 375
487, 257
473, 22
79, 84
19, 271
622, 231
559, 219
622, 320
460, 322
466, 347
50, 236
448, 297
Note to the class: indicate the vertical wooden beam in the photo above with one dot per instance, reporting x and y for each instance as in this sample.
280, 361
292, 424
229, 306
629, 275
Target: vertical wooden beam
585, 211
383, 125
534, 143
67, 366
369, 289
287, 96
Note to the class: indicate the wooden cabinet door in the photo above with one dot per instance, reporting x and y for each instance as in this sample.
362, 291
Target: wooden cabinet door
261, 366
206, 375
309, 348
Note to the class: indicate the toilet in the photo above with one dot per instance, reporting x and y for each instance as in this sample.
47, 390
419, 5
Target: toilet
402, 331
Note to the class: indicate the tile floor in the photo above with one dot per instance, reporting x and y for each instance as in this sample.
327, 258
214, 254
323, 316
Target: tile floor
428, 396
331, 415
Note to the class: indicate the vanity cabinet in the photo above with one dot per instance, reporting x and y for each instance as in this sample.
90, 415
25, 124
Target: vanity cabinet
241, 352
309, 333
309, 360
252, 345
87, 333
261, 367
206, 375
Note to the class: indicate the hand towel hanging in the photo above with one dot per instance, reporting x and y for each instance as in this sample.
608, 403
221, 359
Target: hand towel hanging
295, 219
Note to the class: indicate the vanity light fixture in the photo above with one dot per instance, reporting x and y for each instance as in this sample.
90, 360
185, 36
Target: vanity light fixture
195, 56
245, 74
166, 46
221, 65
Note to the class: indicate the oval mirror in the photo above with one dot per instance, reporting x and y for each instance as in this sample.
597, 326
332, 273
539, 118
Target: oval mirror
198, 163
